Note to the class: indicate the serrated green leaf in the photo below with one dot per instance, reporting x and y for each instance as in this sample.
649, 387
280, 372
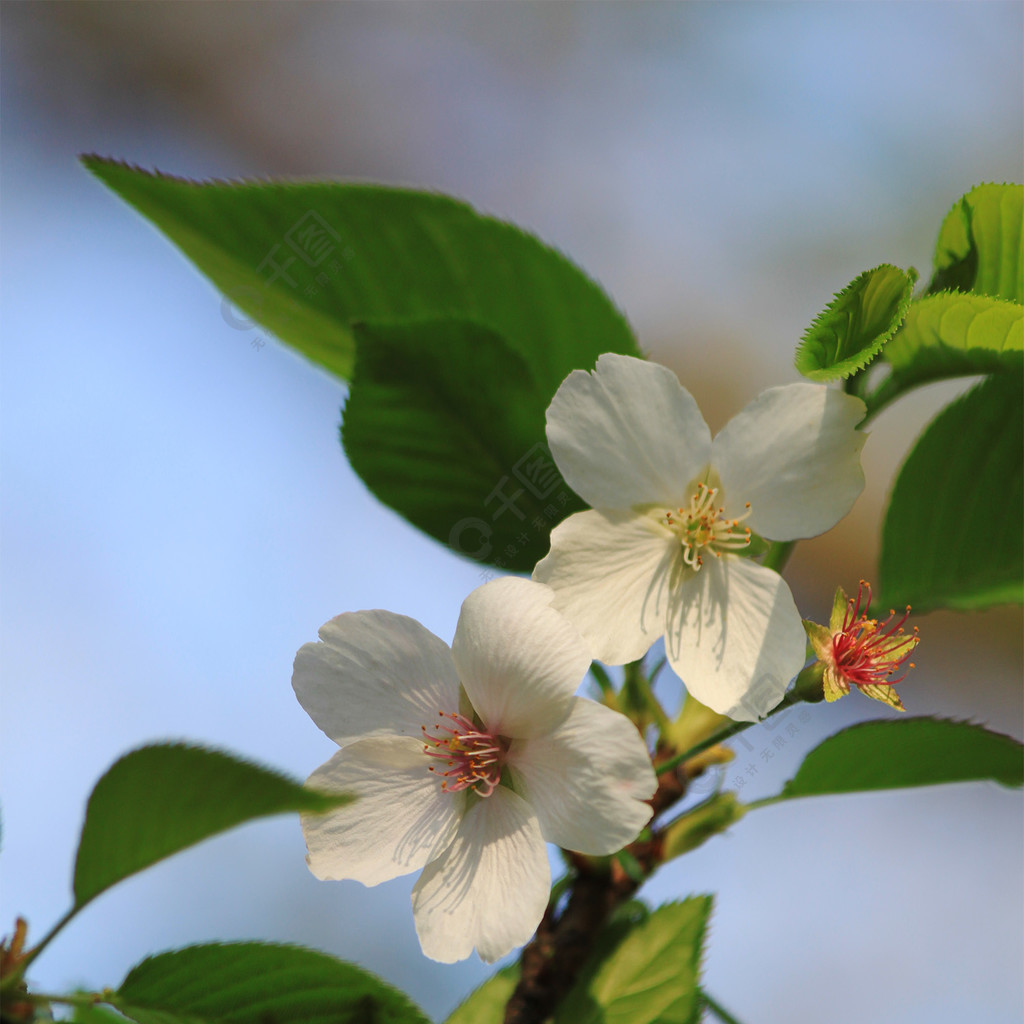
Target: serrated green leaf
854, 326
902, 752
952, 334
651, 976
486, 1004
161, 799
952, 535
306, 260
981, 244
256, 983
445, 424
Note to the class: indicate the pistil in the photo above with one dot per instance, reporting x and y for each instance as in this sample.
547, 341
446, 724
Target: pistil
702, 526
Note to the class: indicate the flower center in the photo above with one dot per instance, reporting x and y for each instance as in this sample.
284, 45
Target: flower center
868, 652
472, 758
702, 526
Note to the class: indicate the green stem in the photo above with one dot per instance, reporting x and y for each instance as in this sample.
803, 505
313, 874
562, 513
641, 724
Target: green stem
559, 887
778, 555
47, 939
84, 999
729, 731
638, 697
721, 1013
883, 395
765, 801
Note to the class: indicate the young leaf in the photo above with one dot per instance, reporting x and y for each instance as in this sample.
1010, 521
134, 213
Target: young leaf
254, 983
900, 752
445, 424
981, 244
952, 334
161, 799
486, 1005
651, 976
952, 535
306, 260
854, 326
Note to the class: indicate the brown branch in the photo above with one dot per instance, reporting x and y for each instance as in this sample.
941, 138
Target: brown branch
552, 961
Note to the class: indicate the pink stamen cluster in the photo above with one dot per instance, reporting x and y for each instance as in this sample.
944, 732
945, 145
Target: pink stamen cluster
702, 526
473, 758
868, 653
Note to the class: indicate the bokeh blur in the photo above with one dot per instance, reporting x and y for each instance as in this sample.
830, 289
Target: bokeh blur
178, 517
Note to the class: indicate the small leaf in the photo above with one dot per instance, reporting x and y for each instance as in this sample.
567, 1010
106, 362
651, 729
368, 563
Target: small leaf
256, 983
981, 244
308, 259
854, 326
901, 752
952, 536
953, 335
486, 1005
651, 976
161, 799
445, 424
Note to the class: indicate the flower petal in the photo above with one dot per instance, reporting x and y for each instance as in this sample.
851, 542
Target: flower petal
401, 820
374, 673
627, 434
609, 572
519, 660
794, 454
588, 780
490, 888
735, 637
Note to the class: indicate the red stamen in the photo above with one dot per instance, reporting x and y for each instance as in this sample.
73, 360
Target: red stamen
868, 653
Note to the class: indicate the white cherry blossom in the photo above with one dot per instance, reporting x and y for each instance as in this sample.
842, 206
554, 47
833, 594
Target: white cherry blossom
658, 552
465, 761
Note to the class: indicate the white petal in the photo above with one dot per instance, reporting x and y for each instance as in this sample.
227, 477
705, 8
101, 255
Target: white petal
375, 673
627, 434
609, 571
519, 660
401, 820
490, 888
587, 780
794, 454
735, 637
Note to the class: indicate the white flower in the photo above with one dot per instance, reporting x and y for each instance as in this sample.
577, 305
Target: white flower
465, 761
670, 507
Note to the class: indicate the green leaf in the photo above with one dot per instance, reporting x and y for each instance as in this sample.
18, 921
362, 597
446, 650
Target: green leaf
651, 976
96, 1015
486, 1005
953, 335
981, 244
901, 752
445, 424
161, 799
854, 326
258, 983
306, 260
952, 535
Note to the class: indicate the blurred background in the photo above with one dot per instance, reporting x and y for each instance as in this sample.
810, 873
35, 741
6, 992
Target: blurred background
178, 517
